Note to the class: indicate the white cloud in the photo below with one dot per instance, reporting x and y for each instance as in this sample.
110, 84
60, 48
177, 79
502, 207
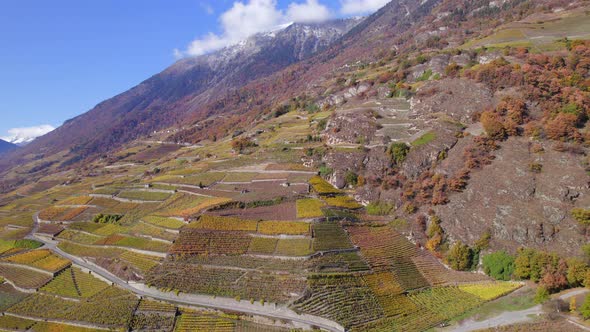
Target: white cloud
26, 134
309, 11
239, 22
244, 19
354, 7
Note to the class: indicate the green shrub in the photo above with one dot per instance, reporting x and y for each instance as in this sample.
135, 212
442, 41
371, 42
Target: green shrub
499, 265
398, 152
581, 215
379, 208
107, 218
585, 308
351, 178
541, 295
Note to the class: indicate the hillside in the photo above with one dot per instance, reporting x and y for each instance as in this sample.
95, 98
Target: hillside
385, 174
6, 146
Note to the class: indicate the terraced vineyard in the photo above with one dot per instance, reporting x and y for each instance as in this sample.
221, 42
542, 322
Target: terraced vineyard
189, 322
120, 303
191, 278
75, 284
343, 298
23, 277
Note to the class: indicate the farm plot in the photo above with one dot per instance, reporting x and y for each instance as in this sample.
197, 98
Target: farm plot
134, 242
153, 153
198, 322
201, 180
153, 316
78, 237
263, 246
143, 262
345, 299
407, 274
140, 195
202, 242
283, 227
61, 213
309, 208
75, 284
259, 191
10, 247
141, 229
447, 302
239, 177
338, 263
323, 187
283, 211
330, 236
107, 191
55, 327
438, 275
9, 296
218, 223
89, 251
294, 247
267, 264
381, 246
185, 205
490, 291
421, 319
12, 323
49, 229
191, 278
24, 278
120, 303
42, 259
346, 202
163, 222
78, 200
389, 294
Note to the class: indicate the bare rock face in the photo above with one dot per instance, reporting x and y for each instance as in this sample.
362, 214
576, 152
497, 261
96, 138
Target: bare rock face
458, 99
521, 206
350, 128
422, 157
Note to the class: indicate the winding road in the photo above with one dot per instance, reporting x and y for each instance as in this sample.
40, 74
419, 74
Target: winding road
515, 317
269, 310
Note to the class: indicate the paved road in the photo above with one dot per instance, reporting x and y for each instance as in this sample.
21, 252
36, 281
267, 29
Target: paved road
514, 317
282, 313
506, 318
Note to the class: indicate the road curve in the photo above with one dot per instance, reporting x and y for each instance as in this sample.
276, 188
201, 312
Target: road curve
270, 311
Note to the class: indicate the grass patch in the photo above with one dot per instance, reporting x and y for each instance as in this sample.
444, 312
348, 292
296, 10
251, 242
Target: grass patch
425, 139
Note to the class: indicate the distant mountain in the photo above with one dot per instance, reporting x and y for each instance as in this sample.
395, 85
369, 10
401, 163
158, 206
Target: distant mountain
167, 98
6, 146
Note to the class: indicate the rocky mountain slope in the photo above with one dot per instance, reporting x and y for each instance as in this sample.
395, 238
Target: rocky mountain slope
166, 98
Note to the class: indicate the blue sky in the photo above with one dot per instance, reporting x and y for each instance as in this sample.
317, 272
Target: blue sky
60, 58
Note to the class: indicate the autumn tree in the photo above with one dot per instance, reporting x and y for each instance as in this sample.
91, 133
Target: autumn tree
459, 256
492, 124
